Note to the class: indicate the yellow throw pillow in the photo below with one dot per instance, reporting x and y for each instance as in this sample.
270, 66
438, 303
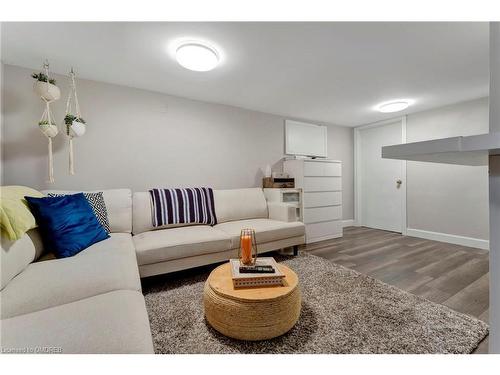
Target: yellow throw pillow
15, 216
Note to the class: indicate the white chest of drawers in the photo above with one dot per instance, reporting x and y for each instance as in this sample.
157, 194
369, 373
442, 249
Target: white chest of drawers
321, 183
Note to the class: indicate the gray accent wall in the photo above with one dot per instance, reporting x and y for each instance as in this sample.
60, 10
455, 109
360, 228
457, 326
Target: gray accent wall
142, 139
445, 198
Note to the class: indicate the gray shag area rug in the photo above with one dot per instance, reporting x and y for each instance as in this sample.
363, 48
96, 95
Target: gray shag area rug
343, 311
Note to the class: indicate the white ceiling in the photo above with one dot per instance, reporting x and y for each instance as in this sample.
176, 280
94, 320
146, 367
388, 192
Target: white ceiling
325, 72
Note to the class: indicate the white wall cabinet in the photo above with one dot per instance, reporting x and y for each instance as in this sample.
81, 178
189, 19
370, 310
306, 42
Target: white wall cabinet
321, 205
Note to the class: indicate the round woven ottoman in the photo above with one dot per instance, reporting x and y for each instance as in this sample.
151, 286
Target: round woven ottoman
251, 313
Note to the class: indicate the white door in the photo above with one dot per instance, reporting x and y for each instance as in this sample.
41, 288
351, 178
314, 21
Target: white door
381, 181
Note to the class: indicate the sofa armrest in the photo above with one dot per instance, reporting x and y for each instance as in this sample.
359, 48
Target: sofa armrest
281, 212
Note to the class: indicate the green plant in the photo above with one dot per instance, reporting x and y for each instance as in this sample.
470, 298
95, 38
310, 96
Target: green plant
69, 118
44, 122
42, 77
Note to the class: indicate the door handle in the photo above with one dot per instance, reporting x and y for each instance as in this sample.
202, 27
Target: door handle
398, 183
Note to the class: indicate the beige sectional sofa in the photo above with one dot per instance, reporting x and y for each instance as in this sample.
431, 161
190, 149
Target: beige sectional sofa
88, 303
92, 302
179, 247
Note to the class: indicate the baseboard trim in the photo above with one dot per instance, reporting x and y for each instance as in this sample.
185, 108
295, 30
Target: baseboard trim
323, 238
348, 223
449, 238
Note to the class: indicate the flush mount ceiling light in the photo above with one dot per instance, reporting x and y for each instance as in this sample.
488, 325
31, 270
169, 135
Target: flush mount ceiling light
394, 105
197, 56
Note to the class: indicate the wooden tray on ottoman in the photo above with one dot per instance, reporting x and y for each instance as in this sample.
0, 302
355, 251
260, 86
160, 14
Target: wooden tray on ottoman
253, 313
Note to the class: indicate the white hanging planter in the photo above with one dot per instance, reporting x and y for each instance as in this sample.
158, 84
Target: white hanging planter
75, 124
49, 130
45, 87
47, 91
76, 129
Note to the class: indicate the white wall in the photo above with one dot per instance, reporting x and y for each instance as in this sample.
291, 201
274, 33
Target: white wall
445, 198
142, 139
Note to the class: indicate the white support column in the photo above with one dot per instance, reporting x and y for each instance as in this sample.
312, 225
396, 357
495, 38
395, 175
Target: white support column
494, 169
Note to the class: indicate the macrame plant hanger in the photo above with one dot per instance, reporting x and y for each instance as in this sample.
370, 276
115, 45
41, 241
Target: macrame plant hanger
46, 123
75, 126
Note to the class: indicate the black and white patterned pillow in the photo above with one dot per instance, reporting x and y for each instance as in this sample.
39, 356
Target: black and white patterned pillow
96, 201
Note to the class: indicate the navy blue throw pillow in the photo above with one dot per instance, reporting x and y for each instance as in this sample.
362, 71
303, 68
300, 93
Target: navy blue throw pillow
67, 224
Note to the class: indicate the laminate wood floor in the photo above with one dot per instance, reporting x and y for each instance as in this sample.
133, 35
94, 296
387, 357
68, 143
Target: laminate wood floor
453, 275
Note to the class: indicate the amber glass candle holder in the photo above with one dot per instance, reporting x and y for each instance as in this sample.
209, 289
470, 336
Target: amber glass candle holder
248, 247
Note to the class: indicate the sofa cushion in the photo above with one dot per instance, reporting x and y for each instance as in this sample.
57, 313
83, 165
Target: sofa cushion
118, 205
115, 322
174, 243
266, 230
106, 266
239, 204
36, 238
182, 206
67, 223
142, 214
96, 201
15, 256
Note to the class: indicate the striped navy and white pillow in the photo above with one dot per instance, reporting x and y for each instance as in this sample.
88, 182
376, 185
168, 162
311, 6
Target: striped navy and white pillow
96, 201
183, 206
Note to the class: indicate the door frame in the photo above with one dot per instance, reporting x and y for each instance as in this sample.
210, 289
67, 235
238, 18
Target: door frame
358, 219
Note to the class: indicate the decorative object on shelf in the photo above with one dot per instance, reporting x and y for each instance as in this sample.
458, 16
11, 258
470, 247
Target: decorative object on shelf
278, 182
47, 90
75, 124
267, 171
248, 247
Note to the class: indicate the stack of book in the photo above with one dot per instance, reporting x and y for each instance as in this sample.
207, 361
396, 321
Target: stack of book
248, 277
